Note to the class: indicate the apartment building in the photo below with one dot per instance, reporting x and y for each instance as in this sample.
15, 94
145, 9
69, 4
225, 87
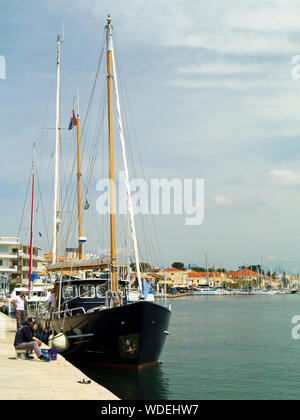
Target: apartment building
14, 260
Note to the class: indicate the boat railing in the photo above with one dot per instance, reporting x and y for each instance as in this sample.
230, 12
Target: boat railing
69, 311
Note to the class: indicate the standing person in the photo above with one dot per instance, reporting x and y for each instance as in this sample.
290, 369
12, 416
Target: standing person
51, 301
47, 298
25, 340
19, 302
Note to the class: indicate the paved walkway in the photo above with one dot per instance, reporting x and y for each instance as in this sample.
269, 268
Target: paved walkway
32, 379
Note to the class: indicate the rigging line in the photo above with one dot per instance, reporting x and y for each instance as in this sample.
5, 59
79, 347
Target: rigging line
95, 144
67, 195
147, 242
137, 144
39, 189
90, 166
92, 160
25, 201
83, 139
102, 49
73, 222
52, 79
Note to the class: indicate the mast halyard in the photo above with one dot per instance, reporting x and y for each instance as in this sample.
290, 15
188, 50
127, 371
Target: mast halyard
79, 184
127, 184
108, 28
56, 215
31, 222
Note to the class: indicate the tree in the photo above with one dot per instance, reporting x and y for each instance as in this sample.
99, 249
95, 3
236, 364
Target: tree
178, 265
199, 269
143, 267
256, 268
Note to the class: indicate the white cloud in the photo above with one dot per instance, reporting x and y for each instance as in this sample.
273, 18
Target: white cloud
220, 67
283, 17
207, 24
223, 201
229, 83
285, 177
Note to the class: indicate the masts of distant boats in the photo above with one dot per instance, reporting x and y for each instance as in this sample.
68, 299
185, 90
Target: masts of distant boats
206, 267
31, 221
56, 215
111, 158
79, 183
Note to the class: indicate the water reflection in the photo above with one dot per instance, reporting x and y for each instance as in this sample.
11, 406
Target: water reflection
148, 384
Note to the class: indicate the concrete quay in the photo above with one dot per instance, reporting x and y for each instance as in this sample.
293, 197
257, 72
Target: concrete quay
35, 380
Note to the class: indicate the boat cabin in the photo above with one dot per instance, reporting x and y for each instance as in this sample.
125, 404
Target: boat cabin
78, 296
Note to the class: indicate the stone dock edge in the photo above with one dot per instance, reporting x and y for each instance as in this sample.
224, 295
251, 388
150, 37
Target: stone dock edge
35, 380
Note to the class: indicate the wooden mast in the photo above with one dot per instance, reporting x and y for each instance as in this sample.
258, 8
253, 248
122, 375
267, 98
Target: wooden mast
111, 157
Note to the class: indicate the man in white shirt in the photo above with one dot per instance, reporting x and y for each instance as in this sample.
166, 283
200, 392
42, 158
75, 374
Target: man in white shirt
19, 302
51, 301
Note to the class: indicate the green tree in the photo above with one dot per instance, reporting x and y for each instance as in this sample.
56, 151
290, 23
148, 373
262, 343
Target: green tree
179, 265
143, 267
199, 269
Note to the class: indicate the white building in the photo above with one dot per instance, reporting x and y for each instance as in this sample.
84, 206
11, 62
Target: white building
14, 260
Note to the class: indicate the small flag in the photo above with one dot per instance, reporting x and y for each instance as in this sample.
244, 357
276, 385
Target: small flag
33, 276
86, 205
145, 288
73, 120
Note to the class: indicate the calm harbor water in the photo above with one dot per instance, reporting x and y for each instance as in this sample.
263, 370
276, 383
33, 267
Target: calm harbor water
223, 347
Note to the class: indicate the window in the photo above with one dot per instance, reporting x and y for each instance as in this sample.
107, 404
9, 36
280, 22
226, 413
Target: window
101, 291
69, 292
87, 291
4, 249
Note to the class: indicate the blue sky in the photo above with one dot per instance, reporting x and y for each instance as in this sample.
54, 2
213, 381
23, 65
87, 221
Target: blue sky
212, 97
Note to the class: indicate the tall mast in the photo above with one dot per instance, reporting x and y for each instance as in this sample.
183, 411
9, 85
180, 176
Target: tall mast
56, 215
108, 28
129, 200
31, 222
79, 183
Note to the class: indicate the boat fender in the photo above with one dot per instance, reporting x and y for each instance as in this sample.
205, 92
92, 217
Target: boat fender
60, 343
50, 339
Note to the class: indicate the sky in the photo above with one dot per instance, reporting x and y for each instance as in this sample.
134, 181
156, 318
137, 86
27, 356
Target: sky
213, 94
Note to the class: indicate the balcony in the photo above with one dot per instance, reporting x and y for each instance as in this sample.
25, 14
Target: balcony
8, 269
6, 256
6, 240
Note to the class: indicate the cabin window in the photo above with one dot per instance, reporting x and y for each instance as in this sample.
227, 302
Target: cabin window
87, 291
101, 291
69, 292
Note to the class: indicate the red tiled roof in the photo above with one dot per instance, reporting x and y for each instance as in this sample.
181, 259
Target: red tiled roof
195, 274
244, 272
172, 269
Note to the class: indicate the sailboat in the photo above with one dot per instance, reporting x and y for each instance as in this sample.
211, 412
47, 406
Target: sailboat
94, 321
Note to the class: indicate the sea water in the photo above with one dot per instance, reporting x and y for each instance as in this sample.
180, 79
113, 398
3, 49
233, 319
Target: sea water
220, 347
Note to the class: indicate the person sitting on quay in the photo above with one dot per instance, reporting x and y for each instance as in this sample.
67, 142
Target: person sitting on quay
25, 340
19, 302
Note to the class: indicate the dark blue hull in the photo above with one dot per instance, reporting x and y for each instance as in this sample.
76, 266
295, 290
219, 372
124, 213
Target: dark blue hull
132, 335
